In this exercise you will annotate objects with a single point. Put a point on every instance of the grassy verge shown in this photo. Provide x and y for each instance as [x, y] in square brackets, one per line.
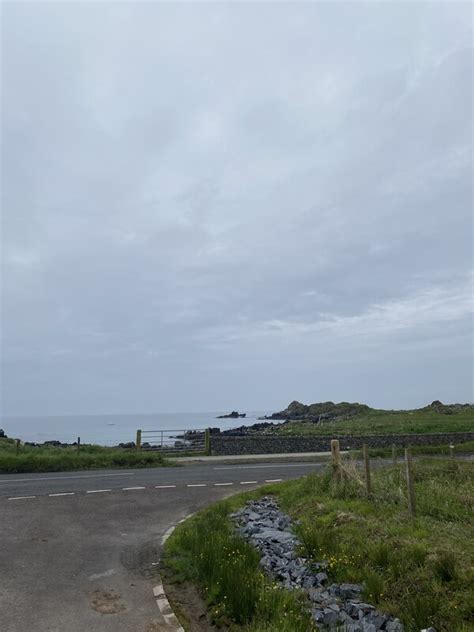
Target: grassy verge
[421, 450]
[205, 551]
[386, 422]
[61, 459]
[420, 570]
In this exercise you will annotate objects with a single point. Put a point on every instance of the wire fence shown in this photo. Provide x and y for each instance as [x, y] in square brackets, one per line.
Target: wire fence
[173, 440]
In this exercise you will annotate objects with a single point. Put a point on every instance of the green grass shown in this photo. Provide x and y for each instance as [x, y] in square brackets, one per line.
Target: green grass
[205, 551]
[421, 450]
[386, 422]
[61, 459]
[420, 569]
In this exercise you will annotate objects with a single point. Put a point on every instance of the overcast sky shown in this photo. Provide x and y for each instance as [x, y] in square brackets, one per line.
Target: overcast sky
[211, 206]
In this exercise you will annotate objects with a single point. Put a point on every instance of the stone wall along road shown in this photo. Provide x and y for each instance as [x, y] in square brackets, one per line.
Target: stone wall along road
[278, 444]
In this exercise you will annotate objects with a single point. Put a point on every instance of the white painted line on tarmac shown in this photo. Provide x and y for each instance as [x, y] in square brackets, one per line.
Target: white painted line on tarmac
[248, 482]
[273, 480]
[63, 494]
[251, 467]
[196, 485]
[222, 484]
[127, 489]
[98, 491]
[21, 497]
[57, 478]
[164, 486]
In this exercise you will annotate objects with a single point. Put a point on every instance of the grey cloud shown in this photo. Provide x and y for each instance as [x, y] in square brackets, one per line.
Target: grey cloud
[218, 202]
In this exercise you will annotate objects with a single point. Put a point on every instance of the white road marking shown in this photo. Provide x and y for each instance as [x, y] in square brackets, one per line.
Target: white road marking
[273, 480]
[108, 573]
[57, 478]
[126, 489]
[197, 485]
[97, 491]
[252, 467]
[164, 486]
[220, 484]
[63, 494]
[247, 482]
[21, 497]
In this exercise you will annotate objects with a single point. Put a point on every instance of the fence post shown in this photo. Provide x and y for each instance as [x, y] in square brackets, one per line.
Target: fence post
[394, 454]
[368, 482]
[335, 452]
[451, 451]
[410, 482]
[78, 444]
[17, 446]
[139, 440]
[207, 441]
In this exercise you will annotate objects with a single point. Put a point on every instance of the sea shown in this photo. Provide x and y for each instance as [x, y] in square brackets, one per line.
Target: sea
[112, 429]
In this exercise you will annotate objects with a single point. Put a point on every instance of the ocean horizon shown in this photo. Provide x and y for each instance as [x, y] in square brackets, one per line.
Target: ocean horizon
[111, 429]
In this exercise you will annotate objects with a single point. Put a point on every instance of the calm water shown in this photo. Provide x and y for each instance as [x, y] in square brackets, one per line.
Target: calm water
[113, 429]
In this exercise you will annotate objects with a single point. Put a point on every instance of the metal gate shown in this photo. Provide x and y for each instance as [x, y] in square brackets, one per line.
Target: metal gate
[177, 441]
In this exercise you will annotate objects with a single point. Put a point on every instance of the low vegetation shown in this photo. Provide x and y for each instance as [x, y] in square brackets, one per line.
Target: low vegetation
[61, 459]
[424, 420]
[418, 569]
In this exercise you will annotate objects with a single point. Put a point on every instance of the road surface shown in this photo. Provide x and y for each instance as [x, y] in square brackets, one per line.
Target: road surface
[79, 550]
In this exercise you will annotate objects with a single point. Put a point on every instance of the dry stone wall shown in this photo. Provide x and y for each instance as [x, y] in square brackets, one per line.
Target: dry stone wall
[279, 444]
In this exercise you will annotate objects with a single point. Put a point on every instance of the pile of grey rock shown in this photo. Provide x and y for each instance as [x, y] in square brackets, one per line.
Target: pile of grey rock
[333, 607]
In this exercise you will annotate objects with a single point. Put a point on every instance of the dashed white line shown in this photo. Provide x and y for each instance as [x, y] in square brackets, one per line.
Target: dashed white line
[248, 482]
[221, 484]
[126, 489]
[21, 497]
[164, 486]
[56, 478]
[197, 485]
[255, 467]
[63, 494]
[273, 480]
[98, 491]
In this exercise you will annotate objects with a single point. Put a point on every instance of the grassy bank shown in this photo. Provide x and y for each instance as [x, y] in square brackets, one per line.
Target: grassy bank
[420, 570]
[61, 459]
[385, 422]
[442, 450]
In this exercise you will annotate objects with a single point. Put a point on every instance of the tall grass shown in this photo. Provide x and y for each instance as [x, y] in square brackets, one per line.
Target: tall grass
[206, 551]
[420, 570]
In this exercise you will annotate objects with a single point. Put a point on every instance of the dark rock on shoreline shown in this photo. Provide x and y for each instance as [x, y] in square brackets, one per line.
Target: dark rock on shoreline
[323, 411]
[233, 415]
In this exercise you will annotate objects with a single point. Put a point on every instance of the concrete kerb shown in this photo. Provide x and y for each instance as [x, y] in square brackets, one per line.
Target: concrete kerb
[171, 620]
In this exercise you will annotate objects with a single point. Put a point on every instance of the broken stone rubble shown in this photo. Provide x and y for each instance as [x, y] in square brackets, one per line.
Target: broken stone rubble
[333, 607]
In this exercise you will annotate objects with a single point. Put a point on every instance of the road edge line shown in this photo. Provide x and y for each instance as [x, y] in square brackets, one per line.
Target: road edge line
[164, 606]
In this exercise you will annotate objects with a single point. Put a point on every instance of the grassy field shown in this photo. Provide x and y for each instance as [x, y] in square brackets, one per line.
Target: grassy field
[61, 459]
[420, 570]
[386, 422]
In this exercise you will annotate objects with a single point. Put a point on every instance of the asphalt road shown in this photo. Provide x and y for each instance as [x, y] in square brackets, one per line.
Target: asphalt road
[78, 550]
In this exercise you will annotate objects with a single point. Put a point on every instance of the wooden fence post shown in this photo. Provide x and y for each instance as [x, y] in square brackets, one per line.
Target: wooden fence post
[368, 482]
[410, 483]
[451, 451]
[207, 441]
[139, 440]
[17, 446]
[78, 444]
